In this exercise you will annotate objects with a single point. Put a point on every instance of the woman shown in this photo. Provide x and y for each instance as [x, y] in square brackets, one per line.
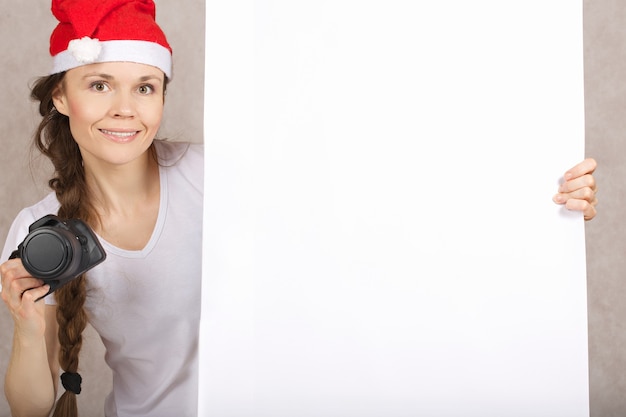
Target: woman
[101, 109]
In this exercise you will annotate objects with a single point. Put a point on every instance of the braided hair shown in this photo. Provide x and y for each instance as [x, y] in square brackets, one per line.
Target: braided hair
[54, 139]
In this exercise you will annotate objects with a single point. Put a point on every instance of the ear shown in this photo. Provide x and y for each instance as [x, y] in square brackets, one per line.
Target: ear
[59, 100]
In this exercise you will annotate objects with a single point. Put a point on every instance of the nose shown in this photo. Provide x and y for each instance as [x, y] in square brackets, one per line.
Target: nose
[122, 106]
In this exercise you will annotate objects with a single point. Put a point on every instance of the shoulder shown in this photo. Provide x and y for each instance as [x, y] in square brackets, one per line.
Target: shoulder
[183, 161]
[171, 153]
[26, 217]
[47, 205]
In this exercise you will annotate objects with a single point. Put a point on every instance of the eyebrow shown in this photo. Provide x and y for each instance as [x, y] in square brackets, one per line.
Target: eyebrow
[109, 77]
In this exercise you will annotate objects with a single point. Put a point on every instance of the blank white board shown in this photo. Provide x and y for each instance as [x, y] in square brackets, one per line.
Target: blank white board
[379, 235]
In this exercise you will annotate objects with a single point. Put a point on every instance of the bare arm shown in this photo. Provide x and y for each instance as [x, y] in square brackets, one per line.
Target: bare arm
[30, 381]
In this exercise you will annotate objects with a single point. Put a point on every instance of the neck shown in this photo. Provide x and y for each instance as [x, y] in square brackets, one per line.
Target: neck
[121, 188]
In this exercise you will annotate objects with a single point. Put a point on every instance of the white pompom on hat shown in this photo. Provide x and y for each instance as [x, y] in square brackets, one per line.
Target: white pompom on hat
[92, 31]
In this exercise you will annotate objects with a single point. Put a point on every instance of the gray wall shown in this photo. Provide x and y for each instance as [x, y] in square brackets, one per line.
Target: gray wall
[605, 102]
[24, 30]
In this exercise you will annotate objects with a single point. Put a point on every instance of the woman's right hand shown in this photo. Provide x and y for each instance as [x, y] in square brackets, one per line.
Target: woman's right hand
[19, 292]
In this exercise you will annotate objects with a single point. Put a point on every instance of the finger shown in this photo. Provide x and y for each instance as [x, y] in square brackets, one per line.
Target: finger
[35, 294]
[588, 166]
[585, 193]
[14, 292]
[578, 183]
[29, 315]
[588, 209]
[12, 269]
[23, 284]
[6, 271]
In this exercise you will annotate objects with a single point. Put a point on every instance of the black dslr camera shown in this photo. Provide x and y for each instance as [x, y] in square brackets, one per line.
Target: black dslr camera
[58, 251]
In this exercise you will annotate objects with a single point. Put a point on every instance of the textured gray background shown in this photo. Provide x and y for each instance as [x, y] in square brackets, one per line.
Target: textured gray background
[24, 30]
[605, 105]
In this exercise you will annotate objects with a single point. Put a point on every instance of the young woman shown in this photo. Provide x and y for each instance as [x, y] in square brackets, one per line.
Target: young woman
[101, 109]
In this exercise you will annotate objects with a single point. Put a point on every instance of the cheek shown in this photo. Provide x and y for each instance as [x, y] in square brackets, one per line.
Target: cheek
[80, 113]
[152, 117]
[82, 118]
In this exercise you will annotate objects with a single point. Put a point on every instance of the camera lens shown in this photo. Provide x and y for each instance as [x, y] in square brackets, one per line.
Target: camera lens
[45, 254]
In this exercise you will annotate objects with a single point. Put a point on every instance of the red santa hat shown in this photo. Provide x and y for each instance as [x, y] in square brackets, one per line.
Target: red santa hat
[91, 31]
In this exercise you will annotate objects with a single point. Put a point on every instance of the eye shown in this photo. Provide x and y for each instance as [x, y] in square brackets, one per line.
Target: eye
[99, 86]
[145, 89]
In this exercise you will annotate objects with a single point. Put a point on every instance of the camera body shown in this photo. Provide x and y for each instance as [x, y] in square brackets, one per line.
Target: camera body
[57, 251]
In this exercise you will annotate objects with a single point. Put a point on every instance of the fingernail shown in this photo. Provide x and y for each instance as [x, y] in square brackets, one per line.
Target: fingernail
[568, 176]
[558, 198]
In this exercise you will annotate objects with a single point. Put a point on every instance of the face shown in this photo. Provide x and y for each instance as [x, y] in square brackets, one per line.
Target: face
[114, 110]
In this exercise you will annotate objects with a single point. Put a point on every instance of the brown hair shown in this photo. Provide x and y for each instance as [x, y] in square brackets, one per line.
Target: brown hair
[54, 139]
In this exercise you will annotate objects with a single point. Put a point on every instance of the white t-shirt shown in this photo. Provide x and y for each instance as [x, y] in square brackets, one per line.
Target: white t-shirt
[146, 304]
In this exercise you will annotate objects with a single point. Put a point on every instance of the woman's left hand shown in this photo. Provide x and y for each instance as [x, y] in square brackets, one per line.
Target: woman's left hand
[578, 192]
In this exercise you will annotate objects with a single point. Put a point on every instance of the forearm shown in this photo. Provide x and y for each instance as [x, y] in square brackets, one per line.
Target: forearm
[29, 386]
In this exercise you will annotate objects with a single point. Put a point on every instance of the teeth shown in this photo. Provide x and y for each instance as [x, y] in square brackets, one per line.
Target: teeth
[118, 134]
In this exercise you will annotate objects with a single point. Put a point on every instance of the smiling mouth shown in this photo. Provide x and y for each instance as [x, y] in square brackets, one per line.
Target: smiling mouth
[121, 135]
